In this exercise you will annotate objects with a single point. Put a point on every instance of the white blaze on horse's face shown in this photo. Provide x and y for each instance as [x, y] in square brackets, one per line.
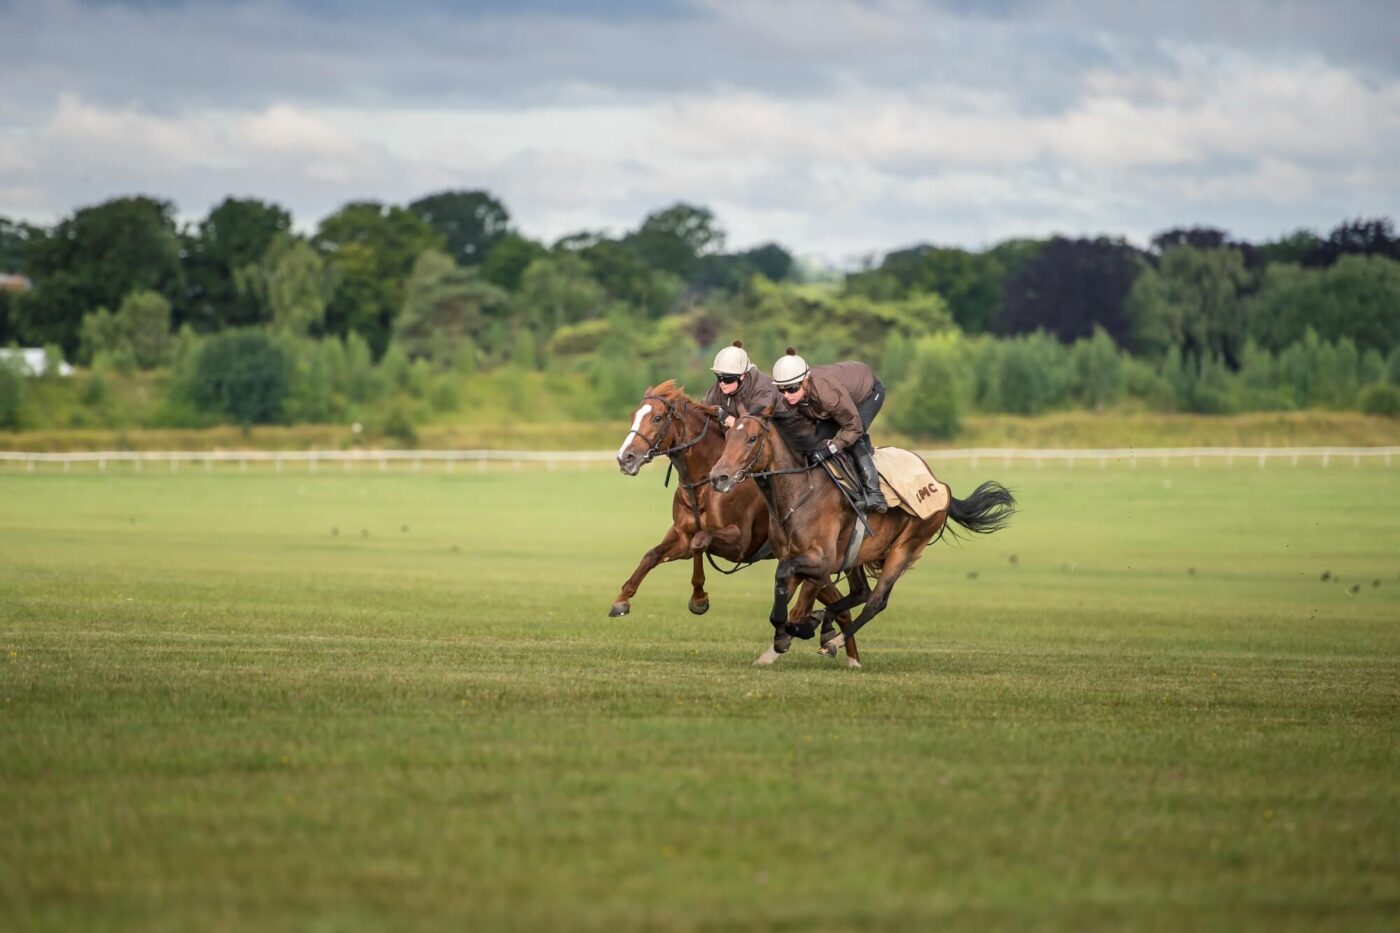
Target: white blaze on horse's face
[630, 463]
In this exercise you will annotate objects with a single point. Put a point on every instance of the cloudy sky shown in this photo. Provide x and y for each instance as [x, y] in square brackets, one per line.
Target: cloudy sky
[836, 127]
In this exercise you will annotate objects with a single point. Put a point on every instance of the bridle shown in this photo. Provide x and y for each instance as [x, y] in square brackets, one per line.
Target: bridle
[747, 469]
[654, 444]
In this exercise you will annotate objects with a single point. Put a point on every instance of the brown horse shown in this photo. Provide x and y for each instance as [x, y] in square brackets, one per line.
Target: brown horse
[812, 527]
[733, 527]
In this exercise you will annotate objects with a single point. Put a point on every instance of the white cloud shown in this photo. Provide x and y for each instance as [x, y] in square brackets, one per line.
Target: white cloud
[836, 127]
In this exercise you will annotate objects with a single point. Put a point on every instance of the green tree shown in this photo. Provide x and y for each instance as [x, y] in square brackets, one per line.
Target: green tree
[294, 283]
[94, 259]
[970, 282]
[237, 234]
[140, 330]
[470, 223]
[929, 402]
[1097, 371]
[14, 240]
[1193, 300]
[445, 308]
[373, 249]
[674, 239]
[624, 276]
[12, 395]
[241, 376]
[1357, 297]
[506, 264]
[558, 290]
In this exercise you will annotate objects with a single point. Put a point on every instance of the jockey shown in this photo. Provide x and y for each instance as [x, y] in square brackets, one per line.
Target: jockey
[839, 402]
[739, 383]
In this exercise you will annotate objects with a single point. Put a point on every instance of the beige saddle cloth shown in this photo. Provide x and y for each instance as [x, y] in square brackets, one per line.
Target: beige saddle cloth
[905, 481]
[905, 478]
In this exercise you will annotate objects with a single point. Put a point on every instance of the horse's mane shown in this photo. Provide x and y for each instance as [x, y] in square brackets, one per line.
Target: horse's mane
[671, 391]
[675, 394]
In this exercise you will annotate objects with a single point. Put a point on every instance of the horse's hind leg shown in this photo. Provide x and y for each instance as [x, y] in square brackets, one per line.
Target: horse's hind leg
[699, 599]
[895, 563]
[672, 546]
[830, 620]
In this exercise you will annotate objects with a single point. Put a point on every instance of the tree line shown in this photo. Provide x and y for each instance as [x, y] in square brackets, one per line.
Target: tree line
[393, 311]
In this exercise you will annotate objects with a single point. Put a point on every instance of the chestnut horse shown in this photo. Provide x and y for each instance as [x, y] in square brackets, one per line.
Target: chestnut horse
[812, 525]
[733, 527]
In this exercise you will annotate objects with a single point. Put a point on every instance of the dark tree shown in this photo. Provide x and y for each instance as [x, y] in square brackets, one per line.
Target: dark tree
[471, 223]
[1207, 238]
[674, 239]
[732, 271]
[1069, 286]
[241, 376]
[372, 249]
[94, 259]
[509, 259]
[235, 235]
[1360, 237]
[970, 282]
[13, 240]
[1195, 237]
[1291, 248]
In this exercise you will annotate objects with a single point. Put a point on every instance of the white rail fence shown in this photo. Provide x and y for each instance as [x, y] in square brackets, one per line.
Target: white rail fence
[481, 460]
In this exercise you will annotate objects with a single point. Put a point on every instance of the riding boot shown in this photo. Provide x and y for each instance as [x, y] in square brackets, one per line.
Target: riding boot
[865, 459]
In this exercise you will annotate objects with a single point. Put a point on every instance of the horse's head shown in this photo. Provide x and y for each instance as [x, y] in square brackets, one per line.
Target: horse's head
[655, 425]
[748, 449]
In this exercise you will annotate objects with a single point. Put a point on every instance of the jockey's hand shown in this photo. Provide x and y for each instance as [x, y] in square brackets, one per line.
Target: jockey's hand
[822, 453]
[729, 421]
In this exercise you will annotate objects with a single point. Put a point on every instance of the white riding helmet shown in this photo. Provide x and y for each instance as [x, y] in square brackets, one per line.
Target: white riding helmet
[732, 360]
[790, 369]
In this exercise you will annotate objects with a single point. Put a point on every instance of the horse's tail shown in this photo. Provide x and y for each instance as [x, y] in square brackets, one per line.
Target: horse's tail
[988, 509]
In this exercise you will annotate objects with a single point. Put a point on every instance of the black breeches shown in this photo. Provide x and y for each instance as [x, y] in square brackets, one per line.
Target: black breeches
[867, 410]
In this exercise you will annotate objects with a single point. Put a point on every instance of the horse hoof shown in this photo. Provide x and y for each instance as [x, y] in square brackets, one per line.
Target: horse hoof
[837, 642]
[620, 608]
[853, 664]
[766, 658]
[700, 608]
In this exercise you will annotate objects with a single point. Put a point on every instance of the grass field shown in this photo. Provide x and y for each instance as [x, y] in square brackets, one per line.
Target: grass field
[331, 701]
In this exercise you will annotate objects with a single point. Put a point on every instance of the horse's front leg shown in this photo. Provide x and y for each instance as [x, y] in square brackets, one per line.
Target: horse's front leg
[699, 599]
[673, 546]
[783, 580]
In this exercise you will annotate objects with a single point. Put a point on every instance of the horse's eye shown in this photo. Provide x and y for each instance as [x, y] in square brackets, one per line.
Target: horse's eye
[751, 438]
[655, 419]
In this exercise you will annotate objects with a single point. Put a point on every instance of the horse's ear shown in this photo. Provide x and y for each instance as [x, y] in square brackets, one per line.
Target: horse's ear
[712, 410]
[767, 412]
[740, 407]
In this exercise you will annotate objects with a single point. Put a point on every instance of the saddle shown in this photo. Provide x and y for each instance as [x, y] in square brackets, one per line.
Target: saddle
[906, 481]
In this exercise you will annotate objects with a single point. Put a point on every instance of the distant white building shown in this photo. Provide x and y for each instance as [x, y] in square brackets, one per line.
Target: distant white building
[33, 360]
[14, 283]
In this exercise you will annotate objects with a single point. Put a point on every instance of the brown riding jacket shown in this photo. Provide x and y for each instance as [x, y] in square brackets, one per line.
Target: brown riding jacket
[756, 392]
[833, 392]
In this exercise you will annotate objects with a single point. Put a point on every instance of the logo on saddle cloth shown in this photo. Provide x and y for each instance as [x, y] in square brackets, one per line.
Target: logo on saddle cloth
[923, 492]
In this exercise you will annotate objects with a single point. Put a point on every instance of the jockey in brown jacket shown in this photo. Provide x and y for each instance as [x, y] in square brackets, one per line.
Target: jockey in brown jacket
[839, 402]
[739, 383]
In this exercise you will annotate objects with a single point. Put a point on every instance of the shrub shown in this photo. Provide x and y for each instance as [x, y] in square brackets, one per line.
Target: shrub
[1380, 399]
[930, 400]
[240, 375]
[12, 394]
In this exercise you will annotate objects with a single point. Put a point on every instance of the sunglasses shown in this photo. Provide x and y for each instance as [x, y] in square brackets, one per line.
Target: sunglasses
[790, 390]
[725, 379]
